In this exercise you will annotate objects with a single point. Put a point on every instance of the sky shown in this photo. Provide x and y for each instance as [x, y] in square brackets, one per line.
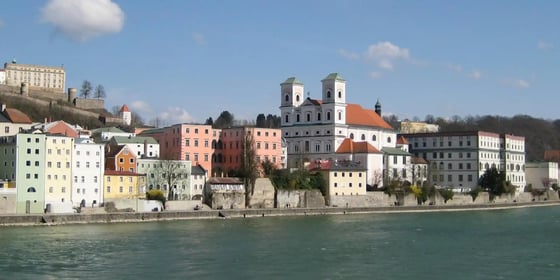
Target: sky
[184, 61]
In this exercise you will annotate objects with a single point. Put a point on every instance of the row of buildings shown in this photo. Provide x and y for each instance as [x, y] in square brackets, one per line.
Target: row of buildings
[354, 146]
[35, 76]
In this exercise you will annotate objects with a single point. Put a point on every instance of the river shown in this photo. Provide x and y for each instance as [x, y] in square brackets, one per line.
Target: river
[495, 244]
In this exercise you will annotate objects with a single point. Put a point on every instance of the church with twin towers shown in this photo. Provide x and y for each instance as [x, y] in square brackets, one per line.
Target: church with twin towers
[332, 129]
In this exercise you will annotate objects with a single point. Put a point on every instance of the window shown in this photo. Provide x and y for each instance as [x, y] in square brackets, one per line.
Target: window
[187, 142]
[63, 189]
[130, 189]
[28, 163]
[108, 189]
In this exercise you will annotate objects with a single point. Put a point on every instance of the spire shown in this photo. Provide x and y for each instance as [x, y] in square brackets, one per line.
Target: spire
[378, 107]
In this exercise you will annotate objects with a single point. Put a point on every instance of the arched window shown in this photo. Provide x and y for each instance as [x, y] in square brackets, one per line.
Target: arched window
[287, 98]
[31, 189]
[319, 116]
[363, 137]
[373, 138]
[340, 94]
[388, 139]
[352, 136]
[339, 116]
[486, 166]
[287, 118]
[308, 116]
[328, 116]
[297, 118]
[328, 94]
[297, 98]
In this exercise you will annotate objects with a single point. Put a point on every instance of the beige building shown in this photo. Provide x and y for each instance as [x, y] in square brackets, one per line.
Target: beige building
[343, 178]
[36, 76]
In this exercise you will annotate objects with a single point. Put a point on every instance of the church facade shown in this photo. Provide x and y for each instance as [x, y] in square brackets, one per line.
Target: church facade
[315, 129]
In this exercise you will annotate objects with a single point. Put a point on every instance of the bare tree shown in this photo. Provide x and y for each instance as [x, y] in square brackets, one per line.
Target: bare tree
[249, 165]
[169, 175]
[99, 92]
[86, 89]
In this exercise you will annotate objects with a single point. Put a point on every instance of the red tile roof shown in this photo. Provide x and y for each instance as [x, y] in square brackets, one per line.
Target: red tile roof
[16, 116]
[356, 115]
[418, 160]
[124, 108]
[402, 141]
[350, 147]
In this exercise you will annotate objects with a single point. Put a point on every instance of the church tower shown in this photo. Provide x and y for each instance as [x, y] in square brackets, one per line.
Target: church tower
[334, 98]
[292, 96]
[125, 115]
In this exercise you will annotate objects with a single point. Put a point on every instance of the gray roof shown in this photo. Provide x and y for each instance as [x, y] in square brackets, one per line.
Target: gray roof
[134, 140]
[198, 170]
[292, 80]
[334, 76]
[395, 151]
[107, 129]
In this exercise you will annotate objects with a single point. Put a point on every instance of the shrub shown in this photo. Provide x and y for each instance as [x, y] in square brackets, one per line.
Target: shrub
[155, 194]
[447, 194]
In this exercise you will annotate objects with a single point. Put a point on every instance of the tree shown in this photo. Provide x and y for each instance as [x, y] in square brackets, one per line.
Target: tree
[249, 165]
[209, 121]
[99, 92]
[115, 110]
[86, 89]
[261, 120]
[156, 195]
[225, 120]
[268, 167]
[494, 182]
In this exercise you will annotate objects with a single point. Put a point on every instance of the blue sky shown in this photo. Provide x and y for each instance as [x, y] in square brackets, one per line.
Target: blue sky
[185, 61]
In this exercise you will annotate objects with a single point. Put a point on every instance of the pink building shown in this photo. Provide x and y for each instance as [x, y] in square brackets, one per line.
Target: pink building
[194, 142]
[268, 146]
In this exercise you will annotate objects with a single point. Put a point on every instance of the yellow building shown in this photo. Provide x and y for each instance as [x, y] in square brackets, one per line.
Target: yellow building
[35, 76]
[58, 172]
[123, 185]
[343, 178]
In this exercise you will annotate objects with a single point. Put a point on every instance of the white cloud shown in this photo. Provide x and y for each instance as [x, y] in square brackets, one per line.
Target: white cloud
[455, 67]
[175, 115]
[542, 45]
[385, 53]
[348, 54]
[375, 75]
[141, 107]
[518, 83]
[82, 20]
[199, 38]
[475, 74]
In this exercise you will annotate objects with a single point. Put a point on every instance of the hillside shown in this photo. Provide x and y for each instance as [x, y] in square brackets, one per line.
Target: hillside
[39, 113]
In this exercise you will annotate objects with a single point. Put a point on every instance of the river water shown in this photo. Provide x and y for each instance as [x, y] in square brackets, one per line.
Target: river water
[495, 244]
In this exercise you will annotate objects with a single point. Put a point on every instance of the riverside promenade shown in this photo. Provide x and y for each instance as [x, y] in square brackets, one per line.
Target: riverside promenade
[120, 217]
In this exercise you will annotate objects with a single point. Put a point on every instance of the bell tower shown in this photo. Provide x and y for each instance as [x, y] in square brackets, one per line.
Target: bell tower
[291, 97]
[334, 98]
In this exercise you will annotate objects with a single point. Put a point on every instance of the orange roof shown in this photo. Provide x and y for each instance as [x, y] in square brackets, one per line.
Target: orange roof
[17, 116]
[402, 141]
[356, 115]
[350, 147]
[552, 155]
[124, 108]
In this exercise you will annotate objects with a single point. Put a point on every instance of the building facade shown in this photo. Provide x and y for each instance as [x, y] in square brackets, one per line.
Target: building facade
[542, 175]
[230, 147]
[315, 129]
[123, 185]
[13, 121]
[458, 159]
[35, 76]
[58, 171]
[173, 177]
[88, 165]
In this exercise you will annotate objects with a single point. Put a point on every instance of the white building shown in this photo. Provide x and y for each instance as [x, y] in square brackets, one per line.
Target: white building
[315, 129]
[458, 159]
[105, 134]
[141, 146]
[36, 76]
[198, 180]
[88, 165]
[13, 121]
[125, 115]
[541, 175]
